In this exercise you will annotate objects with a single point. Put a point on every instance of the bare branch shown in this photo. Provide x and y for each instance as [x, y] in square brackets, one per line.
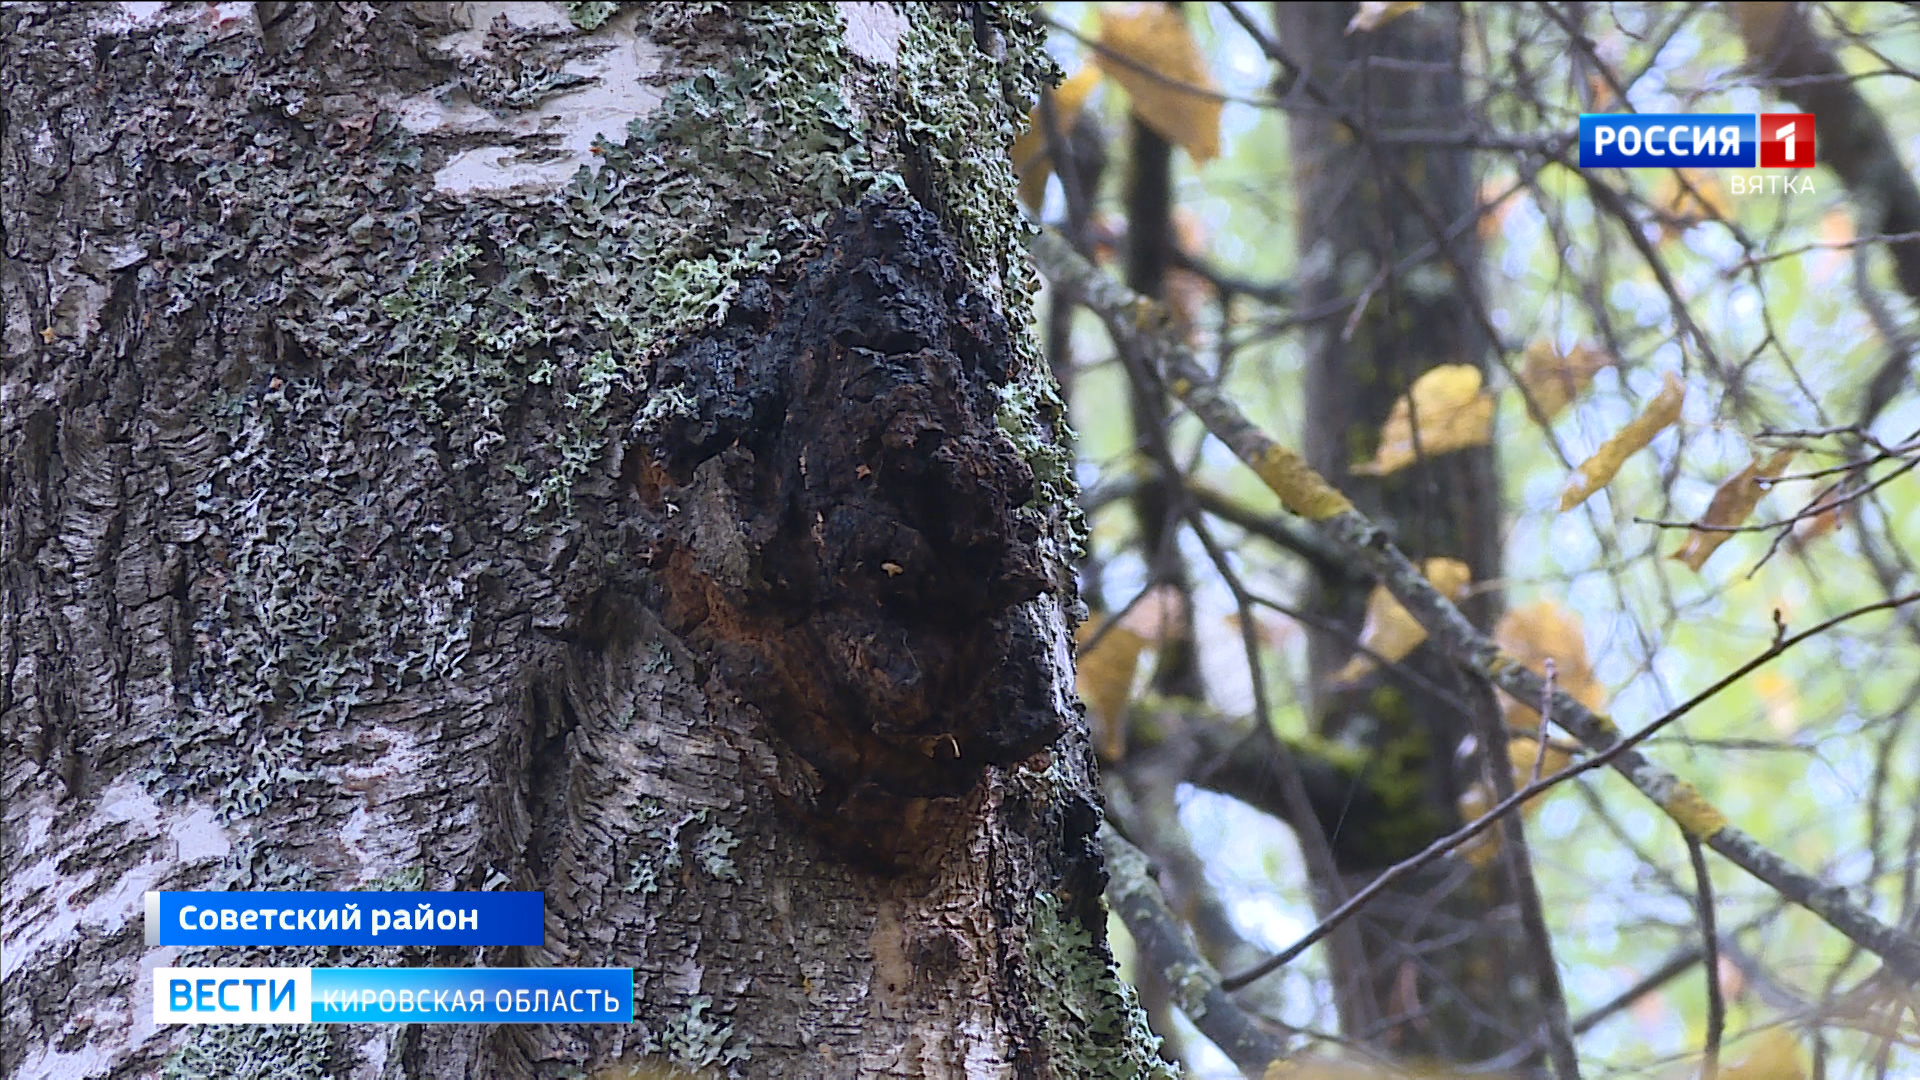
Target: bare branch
[1164, 944]
[1710, 955]
[1135, 321]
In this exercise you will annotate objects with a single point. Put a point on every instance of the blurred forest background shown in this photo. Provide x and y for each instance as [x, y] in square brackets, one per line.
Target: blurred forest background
[1370, 221]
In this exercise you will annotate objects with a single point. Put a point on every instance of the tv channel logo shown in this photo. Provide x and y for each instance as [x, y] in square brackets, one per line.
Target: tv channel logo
[1696, 141]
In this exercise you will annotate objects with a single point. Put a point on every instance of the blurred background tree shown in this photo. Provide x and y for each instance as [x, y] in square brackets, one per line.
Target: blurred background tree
[1367, 221]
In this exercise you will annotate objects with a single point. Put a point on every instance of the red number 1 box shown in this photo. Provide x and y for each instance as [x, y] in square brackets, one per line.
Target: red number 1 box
[1786, 140]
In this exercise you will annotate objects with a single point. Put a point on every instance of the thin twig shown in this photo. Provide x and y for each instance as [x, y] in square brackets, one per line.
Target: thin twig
[1135, 321]
[1546, 719]
[1814, 508]
[1402, 869]
[1518, 862]
[1710, 959]
[1148, 71]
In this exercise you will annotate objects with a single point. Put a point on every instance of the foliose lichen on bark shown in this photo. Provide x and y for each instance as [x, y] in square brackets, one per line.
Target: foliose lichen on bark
[1095, 1021]
[777, 126]
[248, 1050]
[518, 341]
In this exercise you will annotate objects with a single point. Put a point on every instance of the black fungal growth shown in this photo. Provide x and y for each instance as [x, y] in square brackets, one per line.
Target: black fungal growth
[840, 518]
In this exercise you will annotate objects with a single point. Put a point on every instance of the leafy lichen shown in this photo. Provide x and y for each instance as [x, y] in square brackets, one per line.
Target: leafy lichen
[317, 600]
[285, 221]
[714, 849]
[252, 1052]
[961, 103]
[511, 74]
[735, 174]
[1094, 1019]
[697, 1039]
[590, 14]
[664, 849]
[740, 163]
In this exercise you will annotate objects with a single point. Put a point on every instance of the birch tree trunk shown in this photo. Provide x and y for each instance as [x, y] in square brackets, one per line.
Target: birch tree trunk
[590, 448]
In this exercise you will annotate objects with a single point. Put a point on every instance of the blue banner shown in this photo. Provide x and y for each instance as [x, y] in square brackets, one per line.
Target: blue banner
[1671, 140]
[473, 995]
[345, 918]
[393, 995]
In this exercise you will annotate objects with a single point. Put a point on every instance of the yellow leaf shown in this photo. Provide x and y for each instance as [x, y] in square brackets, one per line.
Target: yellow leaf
[1287, 474]
[1390, 630]
[1031, 162]
[1831, 508]
[1731, 505]
[1372, 15]
[1696, 816]
[1474, 802]
[1781, 700]
[1497, 201]
[1534, 634]
[1773, 1054]
[1150, 50]
[1106, 669]
[1452, 413]
[1185, 293]
[1478, 798]
[1552, 381]
[1521, 752]
[1272, 633]
[1595, 472]
[1836, 233]
[1599, 94]
[1731, 979]
[1105, 680]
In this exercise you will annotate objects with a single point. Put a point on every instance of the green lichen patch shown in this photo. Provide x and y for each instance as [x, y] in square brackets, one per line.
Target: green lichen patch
[736, 174]
[335, 571]
[1097, 1028]
[1033, 415]
[714, 849]
[667, 841]
[252, 1052]
[648, 870]
[697, 1039]
[308, 586]
[590, 14]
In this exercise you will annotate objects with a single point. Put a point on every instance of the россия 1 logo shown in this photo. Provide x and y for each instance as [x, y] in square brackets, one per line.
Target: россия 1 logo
[1696, 141]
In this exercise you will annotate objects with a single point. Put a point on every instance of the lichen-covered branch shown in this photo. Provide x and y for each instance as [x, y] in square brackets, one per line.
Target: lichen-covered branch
[1164, 944]
[1141, 802]
[1294, 536]
[1137, 321]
